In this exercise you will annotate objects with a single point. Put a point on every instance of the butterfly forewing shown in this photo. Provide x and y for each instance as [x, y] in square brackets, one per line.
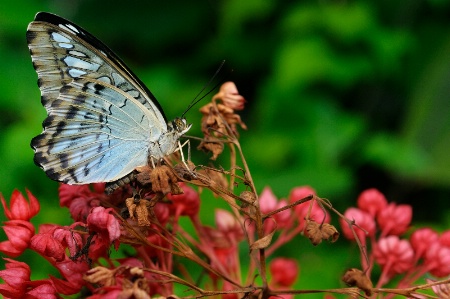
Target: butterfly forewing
[61, 51]
[101, 118]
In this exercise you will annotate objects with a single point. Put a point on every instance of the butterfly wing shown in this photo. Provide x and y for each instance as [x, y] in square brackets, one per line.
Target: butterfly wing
[101, 118]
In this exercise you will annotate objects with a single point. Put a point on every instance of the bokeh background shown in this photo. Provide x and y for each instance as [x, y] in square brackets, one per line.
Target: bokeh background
[341, 95]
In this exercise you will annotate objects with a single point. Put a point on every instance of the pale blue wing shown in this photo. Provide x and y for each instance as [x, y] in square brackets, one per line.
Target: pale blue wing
[94, 132]
[101, 117]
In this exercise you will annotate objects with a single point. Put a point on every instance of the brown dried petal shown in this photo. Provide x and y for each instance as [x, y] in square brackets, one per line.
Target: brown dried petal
[161, 179]
[142, 212]
[214, 147]
[317, 232]
[101, 275]
[355, 277]
[143, 176]
[131, 206]
[182, 172]
[248, 197]
[264, 242]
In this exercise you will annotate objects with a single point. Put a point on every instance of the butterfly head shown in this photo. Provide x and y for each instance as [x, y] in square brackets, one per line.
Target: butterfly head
[179, 125]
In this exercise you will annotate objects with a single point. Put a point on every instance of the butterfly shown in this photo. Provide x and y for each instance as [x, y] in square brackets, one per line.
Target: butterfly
[102, 121]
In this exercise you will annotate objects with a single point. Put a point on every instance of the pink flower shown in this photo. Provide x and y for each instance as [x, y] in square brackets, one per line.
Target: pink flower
[445, 239]
[187, 204]
[298, 193]
[267, 200]
[421, 240]
[20, 209]
[371, 201]
[19, 233]
[229, 226]
[394, 219]
[441, 290]
[317, 214]
[363, 220]
[437, 260]
[268, 203]
[284, 271]
[227, 286]
[282, 218]
[231, 97]
[395, 256]
[101, 220]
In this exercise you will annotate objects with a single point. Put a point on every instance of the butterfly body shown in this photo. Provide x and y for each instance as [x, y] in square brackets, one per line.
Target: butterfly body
[102, 121]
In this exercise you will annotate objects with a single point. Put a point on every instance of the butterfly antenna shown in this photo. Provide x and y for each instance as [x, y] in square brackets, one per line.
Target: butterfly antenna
[196, 99]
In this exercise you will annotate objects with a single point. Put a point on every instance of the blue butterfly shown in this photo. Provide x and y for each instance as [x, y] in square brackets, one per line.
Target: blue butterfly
[102, 121]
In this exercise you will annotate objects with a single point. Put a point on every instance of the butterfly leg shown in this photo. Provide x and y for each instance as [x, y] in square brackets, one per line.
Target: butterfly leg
[153, 162]
[180, 148]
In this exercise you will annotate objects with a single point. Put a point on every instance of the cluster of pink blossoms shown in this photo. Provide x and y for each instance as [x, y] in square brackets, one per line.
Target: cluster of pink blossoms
[75, 250]
[384, 226]
[80, 252]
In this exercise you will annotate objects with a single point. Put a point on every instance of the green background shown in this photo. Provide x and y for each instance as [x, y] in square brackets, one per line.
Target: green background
[341, 95]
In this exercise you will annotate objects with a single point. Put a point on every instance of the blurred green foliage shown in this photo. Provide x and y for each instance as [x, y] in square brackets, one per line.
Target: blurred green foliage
[342, 95]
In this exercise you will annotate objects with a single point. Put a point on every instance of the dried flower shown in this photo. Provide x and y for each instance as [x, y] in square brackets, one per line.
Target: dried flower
[317, 232]
[355, 277]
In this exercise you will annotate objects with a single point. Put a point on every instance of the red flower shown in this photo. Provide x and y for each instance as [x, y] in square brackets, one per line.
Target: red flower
[284, 271]
[69, 239]
[371, 201]
[16, 275]
[421, 240]
[100, 220]
[73, 272]
[20, 208]
[187, 204]
[80, 200]
[42, 289]
[395, 256]
[394, 219]
[19, 233]
[437, 259]
[46, 245]
[363, 220]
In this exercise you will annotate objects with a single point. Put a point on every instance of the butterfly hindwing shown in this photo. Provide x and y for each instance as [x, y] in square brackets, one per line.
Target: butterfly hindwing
[94, 132]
